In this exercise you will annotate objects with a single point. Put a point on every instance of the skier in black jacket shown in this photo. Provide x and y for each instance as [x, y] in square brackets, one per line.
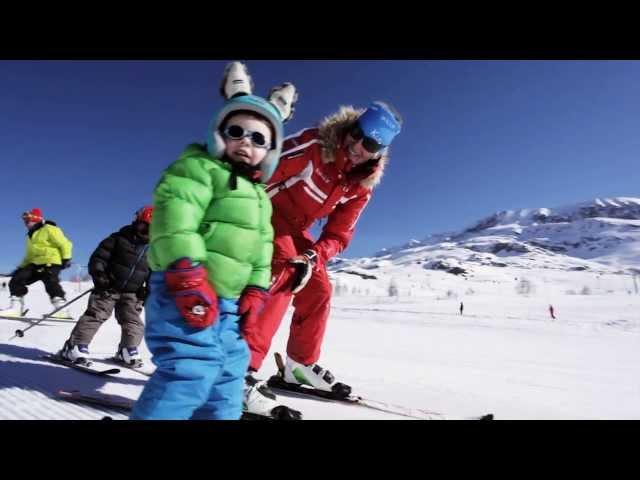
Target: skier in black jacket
[120, 272]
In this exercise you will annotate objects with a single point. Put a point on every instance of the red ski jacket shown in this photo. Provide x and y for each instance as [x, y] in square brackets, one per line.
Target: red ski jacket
[315, 179]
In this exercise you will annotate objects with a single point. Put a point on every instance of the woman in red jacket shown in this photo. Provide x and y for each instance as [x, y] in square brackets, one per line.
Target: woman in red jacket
[328, 171]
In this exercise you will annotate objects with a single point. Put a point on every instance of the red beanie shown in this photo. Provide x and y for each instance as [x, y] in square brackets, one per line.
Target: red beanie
[33, 215]
[144, 214]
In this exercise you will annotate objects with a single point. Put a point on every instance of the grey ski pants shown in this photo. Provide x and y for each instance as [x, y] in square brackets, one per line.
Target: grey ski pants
[101, 305]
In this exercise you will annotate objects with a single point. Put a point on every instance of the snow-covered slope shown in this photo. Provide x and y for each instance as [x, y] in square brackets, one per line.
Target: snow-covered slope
[504, 355]
[28, 383]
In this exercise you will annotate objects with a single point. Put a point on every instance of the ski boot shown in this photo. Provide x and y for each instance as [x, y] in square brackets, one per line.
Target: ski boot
[63, 314]
[129, 356]
[259, 399]
[75, 353]
[16, 307]
[315, 377]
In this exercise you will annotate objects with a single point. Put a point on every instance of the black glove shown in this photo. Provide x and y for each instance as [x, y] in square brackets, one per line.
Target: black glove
[304, 267]
[101, 281]
[142, 293]
[66, 263]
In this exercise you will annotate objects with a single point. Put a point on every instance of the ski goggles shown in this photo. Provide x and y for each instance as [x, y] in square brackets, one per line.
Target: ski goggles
[29, 217]
[236, 132]
[368, 143]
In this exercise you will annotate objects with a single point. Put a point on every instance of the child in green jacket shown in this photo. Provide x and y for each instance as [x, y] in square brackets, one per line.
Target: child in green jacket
[210, 255]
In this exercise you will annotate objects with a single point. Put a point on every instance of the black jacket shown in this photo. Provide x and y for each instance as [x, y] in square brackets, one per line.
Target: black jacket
[122, 256]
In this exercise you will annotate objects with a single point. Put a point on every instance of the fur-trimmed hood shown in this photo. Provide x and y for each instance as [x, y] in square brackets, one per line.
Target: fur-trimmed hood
[333, 128]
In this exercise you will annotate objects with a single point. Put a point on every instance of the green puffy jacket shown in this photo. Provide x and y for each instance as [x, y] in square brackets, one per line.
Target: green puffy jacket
[47, 245]
[197, 214]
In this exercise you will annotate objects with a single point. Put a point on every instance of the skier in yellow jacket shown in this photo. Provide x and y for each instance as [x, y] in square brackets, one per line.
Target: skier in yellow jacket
[48, 252]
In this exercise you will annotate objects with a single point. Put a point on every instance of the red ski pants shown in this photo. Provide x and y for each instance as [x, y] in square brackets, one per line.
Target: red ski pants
[311, 308]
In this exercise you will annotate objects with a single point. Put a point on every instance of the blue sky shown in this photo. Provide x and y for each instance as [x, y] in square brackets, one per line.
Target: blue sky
[86, 141]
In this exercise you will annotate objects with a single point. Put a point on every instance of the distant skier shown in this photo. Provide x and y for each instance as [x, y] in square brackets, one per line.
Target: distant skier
[48, 252]
[120, 273]
[551, 312]
[461, 308]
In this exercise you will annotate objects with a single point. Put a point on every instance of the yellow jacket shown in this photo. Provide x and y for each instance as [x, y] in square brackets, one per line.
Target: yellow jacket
[47, 245]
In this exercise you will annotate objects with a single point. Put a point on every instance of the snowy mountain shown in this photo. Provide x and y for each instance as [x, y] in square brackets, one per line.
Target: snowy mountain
[602, 236]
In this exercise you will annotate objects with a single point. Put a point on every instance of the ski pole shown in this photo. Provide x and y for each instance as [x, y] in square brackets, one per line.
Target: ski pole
[20, 333]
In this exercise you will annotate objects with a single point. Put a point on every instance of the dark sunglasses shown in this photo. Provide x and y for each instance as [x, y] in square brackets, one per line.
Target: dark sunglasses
[236, 132]
[368, 143]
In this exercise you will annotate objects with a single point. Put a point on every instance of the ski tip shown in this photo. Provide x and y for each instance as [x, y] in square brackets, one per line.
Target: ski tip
[488, 416]
[66, 393]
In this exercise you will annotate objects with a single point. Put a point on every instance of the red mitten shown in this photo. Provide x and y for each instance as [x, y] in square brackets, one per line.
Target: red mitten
[250, 305]
[195, 298]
